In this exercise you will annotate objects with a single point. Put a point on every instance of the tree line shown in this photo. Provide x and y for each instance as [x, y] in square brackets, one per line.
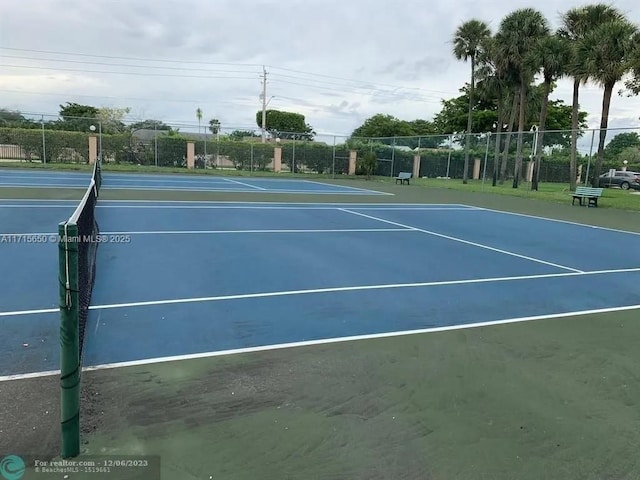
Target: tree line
[595, 43]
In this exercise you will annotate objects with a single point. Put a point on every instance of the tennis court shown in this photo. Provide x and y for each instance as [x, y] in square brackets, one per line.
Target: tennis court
[189, 183]
[333, 339]
[182, 279]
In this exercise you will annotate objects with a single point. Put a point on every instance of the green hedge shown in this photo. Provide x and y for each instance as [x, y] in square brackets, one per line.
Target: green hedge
[60, 146]
[304, 156]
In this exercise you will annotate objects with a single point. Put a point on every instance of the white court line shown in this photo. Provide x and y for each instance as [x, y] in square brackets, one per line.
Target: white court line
[29, 312]
[455, 239]
[245, 184]
[235, 202]
[248, 203]
[267, 207]
[70, 205]
[83, 187]
[340, 186]
[160, 180]
[230, 207]
[186, 189]
[559, 221]
[357, 288]
[303, 192]
[324, 341]
[74, 177]
[215, 232]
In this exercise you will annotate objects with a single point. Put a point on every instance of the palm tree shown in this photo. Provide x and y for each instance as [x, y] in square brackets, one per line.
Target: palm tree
[633, 83]
[606, 53]
[519, 33]
[496, 83]
[552, 53]
[576, 23]
[467, 41]
[199, 117]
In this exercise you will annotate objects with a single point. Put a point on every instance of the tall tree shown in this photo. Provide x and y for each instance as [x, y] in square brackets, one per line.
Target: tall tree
[576, 23]
[214, 126]
[467, 41]
[605, 52]
[199, 117]
[621, 142]
[519, 33]
[149, 124]
[286, 125]
[112, 119]
[552, 53]
[381, 126]
[239, 135]
[77, 117]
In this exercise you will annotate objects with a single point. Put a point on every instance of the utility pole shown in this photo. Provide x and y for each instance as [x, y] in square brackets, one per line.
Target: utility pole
[264, 104]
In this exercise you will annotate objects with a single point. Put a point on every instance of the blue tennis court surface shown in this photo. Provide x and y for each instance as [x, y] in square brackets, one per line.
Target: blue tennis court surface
[187, 278]
[192, 183]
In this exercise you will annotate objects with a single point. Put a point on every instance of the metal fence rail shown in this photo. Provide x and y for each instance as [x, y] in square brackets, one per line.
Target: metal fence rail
[491, 154]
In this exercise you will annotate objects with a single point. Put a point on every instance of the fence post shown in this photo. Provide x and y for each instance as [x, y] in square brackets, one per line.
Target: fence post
[486, 156]
[277, 159]
[353, 157]
[190, 154]
[44, 143]
[93, 149]
[333, 161]
[155, 137]
[449, 157]
[416, 165]
[393, 155]
[293, 156]
[586, 177]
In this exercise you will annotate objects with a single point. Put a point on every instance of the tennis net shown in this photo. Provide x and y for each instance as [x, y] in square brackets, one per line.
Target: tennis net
[77, 251]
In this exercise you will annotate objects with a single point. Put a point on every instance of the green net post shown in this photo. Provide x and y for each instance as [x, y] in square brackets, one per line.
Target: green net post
[69, 339]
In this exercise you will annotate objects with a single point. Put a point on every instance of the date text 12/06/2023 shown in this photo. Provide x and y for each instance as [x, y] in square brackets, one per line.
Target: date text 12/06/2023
[54, 238]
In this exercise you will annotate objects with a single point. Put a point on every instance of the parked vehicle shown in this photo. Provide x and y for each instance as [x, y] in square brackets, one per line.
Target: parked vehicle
[624, 180]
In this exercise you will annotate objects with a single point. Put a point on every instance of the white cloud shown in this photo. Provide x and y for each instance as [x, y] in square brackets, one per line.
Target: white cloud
[337, 62]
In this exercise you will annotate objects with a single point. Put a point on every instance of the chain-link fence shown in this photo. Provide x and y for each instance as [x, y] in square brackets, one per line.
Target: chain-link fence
[491, 156]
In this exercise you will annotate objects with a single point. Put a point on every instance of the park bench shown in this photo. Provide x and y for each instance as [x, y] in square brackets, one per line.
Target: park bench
[587, 193]
[403, 177]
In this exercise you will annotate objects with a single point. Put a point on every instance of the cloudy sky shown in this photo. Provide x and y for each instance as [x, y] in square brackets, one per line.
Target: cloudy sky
[336, 61]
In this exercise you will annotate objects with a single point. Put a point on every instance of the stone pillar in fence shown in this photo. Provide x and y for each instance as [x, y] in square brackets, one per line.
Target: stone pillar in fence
[530, 170]
[277, 159]
[191, 150]
[93, 149]
[353, 158]
[476, 168]
[416, 165]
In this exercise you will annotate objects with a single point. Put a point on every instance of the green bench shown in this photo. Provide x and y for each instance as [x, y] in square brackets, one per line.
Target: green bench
[589, 194]
[403, 177]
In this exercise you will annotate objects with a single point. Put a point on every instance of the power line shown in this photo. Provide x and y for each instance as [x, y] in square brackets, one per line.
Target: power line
[124, 65]
[138, 59]
[163, 99]
[353, 87]
[354, 80]
[127, 73]
[380, 93]
[351, 80]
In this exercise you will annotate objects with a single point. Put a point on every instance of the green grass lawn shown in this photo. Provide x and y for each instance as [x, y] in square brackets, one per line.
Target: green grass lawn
[553, 192]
